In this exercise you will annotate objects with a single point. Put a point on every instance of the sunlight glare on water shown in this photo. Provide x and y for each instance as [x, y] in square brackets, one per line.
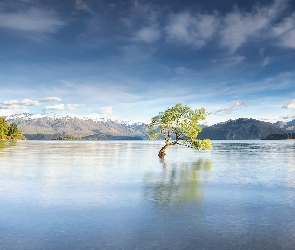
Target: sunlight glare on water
[121, 195]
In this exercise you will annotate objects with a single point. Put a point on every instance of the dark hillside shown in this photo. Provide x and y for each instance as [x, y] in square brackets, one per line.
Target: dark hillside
[240, 129]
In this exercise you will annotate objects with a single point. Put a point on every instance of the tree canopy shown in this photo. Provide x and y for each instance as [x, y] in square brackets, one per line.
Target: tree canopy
[179, 125]
[10, 132]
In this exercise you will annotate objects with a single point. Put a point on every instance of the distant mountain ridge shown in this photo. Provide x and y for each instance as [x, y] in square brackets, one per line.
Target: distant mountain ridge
[96, 128]
[288, 126]
[240, 129]
[88, 128]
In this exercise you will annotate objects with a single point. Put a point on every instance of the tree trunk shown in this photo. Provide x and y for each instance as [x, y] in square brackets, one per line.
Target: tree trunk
[162, 150]
[167, 144]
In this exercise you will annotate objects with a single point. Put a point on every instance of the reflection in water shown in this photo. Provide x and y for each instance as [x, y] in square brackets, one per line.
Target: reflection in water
[178, 183]
[5, 144]
[2, 144]
[79, 195]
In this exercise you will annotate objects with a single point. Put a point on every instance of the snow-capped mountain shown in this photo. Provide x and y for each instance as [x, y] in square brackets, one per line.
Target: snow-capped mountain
[95, 127]
[83, 127]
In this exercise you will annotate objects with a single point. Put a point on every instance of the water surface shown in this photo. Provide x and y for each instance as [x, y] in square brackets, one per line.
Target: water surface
[120, 195]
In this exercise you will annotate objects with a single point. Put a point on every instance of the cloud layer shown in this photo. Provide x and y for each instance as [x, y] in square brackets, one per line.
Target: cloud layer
[24, 103]
[229, 110]
[31, 20]
[194, 30]
[290, 105]
[144, 56]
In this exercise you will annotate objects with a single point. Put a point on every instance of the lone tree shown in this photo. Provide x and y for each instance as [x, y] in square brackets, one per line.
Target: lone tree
[180, 126]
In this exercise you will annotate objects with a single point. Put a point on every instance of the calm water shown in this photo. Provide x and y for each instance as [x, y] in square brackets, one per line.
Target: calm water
[120, 195]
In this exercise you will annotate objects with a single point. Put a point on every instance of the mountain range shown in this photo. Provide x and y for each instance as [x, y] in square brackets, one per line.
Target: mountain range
[36, 127]
[287, 126]
[85, 128]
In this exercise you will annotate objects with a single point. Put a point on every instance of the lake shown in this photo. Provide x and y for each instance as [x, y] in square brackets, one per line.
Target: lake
[121, 195]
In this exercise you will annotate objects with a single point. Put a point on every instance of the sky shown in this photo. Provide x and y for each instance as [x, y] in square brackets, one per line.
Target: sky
[130, 59]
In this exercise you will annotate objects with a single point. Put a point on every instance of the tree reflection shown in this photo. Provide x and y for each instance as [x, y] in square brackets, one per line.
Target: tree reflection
[177, 183]
[3, 144]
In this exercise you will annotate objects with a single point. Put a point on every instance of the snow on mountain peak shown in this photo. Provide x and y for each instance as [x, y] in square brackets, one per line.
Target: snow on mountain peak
[89, 117]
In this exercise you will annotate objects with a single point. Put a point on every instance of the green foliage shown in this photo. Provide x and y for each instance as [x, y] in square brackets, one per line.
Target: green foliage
[4, 127]
[180, 123]
[14, 133]
[9, 132]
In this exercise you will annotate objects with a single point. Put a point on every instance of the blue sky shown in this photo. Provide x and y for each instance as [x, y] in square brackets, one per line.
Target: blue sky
[128, 60]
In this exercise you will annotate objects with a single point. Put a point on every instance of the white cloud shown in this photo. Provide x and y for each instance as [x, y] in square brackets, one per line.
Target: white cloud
[62, 107]
[106, 110]
[193, 30]
[31, 20]
[290, 105]
[148, 34]
[50, 99]
[9, 106]
[239, 27]
[80, 5]
[288, 40]
[287, 25]
[240, 103]
[227, 111]
[234, 29]
[16, 106]
[20, 103]
[285, 32]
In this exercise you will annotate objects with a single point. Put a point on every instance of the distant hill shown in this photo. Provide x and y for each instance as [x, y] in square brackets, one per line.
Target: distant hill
[95, 137]
[41, 136]
[91, 128]
[240, 129]
[85, 128]
[288, 126]
[286, 136]
[98, 137]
